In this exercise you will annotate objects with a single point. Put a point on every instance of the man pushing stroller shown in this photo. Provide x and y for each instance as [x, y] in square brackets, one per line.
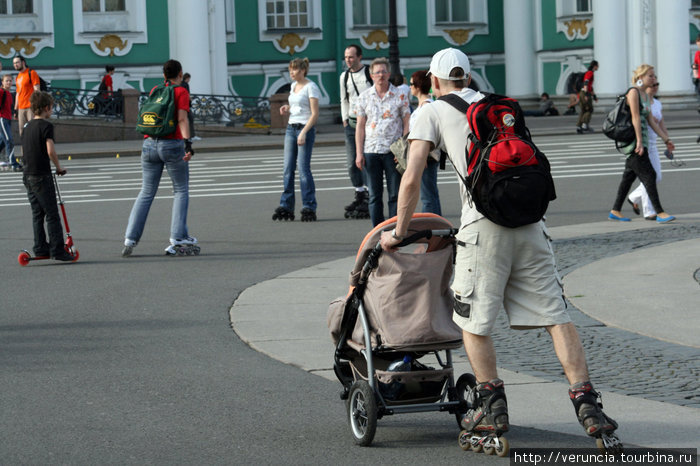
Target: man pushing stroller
[496, 267]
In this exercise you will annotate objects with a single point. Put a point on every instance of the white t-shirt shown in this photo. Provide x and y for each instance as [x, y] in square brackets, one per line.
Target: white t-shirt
[356, 80]
[299, 103]
[447, 129]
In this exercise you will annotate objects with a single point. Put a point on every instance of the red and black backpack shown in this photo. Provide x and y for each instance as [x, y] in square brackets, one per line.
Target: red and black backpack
[508, 178]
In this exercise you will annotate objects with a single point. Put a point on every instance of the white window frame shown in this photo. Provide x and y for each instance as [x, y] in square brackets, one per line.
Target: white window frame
[567, 15]
[375, 36]
[102, 8]
[313, 15]
[119, 30]
[460, 33]
[292, 40]
[28, 33]
[230, 8]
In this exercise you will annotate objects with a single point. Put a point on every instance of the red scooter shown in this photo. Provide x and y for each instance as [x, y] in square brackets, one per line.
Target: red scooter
[25, 257]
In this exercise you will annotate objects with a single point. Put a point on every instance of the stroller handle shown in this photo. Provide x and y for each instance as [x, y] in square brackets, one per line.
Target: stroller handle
[373, 256]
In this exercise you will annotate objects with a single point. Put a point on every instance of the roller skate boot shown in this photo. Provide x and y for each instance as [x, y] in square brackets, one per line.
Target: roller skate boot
[283, 214]
[589, 411]
[183, 247]
[128, 247]
[308, 215]
[359, 208]
[486, 420]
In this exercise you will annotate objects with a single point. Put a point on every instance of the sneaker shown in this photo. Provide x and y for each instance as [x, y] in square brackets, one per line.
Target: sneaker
[196, 138]
[64, 256]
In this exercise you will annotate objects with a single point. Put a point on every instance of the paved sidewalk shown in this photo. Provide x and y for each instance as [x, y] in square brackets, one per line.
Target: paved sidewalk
[605, 290]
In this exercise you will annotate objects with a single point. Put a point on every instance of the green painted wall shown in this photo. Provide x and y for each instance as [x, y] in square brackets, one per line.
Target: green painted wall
[550, 73]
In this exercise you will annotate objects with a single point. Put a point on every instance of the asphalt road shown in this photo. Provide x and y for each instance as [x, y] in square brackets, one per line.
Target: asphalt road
[132, 361]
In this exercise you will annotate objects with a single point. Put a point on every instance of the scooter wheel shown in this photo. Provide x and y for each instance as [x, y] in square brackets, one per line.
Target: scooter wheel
[24, 258]
[76, 255]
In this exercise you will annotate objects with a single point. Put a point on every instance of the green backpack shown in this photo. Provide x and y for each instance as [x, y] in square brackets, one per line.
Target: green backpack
[157, 114]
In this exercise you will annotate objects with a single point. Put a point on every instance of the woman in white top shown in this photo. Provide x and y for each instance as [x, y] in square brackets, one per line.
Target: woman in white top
[429, 194]
[298, 142]
[639, 196]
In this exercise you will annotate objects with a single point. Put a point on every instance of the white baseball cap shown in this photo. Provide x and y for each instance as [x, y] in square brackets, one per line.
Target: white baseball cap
[446, 60]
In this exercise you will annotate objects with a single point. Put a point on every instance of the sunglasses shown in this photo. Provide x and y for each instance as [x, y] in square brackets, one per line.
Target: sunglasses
[655, 85]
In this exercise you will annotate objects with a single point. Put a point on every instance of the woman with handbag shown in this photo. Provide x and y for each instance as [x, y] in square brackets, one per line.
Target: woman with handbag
[429, 194]
[637, 163]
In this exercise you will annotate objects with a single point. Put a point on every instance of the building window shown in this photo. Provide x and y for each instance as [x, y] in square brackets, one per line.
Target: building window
[230, 8]
[102, 6]
[109, 27]
[451, 11]
[26, 27]
[287, 14]
[290, 24]
[457, 21]
[574, 18]
[370, 13]
[16, 7]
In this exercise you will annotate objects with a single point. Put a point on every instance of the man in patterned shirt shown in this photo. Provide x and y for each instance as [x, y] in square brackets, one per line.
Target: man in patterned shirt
[382, 118]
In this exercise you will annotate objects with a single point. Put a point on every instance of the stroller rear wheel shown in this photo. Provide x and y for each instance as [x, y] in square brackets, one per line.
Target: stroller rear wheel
[362, 412]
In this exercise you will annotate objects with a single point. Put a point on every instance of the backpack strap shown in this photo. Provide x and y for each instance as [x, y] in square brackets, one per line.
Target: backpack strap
[345, 82]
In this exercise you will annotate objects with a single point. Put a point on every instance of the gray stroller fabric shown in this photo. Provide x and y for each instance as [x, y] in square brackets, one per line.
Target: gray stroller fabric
[407, 299]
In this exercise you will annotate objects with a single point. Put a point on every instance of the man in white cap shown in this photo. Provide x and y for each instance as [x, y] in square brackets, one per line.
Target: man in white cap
[496, 266]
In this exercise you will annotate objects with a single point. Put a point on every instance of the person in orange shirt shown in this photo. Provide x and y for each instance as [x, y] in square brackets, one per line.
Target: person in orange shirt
[26, 83]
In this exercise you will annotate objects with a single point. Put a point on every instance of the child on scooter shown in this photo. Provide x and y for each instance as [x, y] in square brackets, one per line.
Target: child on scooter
[38, 151]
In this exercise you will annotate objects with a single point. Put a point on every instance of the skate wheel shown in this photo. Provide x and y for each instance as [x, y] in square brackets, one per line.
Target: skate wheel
[477, 445]
[196, 250]
[347, 214]
[502, 447]
[24, 258]
[464, 440]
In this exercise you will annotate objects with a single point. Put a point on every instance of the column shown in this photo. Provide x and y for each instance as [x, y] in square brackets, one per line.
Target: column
[217, 48]
[610, 47]
[189, 43]
[519, 38]
[673, 47]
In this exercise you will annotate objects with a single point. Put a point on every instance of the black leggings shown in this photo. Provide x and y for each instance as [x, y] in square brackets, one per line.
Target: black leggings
[638, 166]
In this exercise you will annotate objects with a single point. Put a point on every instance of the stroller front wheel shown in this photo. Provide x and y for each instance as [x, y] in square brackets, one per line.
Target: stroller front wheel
[362, 412]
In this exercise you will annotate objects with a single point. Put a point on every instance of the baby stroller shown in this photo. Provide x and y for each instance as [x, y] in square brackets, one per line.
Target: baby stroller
[399, 309]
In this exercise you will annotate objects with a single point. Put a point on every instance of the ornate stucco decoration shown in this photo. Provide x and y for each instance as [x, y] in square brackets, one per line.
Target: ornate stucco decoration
[291, 43]
[16, 45]
[111, 43]
[575, 28]
[377, 39]
[459, 36]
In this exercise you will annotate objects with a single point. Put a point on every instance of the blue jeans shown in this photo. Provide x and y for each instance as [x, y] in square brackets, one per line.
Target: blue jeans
[357, 177]
[6, 141]
[156, 154]
[378, 165]
[295, 154]
[429, 193]
[42, 198]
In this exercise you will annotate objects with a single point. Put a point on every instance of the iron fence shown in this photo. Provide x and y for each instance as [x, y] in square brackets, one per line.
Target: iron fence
[252, 112]
[87, 102]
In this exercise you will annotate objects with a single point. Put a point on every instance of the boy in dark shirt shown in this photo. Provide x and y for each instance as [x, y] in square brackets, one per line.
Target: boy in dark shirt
[38, 149]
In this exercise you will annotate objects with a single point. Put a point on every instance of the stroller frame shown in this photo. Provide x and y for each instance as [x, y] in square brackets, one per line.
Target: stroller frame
[363, 394]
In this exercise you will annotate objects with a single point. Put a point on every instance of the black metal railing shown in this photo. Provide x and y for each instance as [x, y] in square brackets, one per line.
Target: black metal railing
[87, 102]
[253, 112]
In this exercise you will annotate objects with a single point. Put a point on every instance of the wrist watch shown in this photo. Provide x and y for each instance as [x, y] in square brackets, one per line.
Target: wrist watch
[395, 236]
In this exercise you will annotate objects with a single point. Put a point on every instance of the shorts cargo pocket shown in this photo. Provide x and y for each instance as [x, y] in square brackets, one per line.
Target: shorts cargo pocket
[465, 272]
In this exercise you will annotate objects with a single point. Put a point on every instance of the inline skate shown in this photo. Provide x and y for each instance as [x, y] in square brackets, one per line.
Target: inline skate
[486, 420]
[129, 246]
[308, 215]
[589, 411]
[183, 247]
[283, 214]
[358, 208]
